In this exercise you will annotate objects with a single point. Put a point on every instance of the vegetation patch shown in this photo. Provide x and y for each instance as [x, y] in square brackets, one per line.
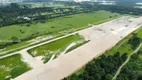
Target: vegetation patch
[12, 67]
[53, 49]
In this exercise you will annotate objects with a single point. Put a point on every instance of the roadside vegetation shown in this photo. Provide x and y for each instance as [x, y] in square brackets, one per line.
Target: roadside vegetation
[12, 67]
[52, 50]
[106, 66]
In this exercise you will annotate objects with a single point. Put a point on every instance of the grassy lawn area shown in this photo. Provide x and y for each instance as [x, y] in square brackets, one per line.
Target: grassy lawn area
[12, 67]
[140, 56]
[56, 47]
[139, 32]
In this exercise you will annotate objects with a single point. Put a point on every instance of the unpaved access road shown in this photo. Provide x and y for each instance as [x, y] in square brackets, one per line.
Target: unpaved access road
[102, 37]
[127, 60]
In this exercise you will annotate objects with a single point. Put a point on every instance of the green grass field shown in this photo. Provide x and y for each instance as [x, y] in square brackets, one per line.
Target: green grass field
[56, 47]
[12, 67]
[55, 27]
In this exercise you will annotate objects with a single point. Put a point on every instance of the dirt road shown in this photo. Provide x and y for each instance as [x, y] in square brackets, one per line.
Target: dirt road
[127, 60]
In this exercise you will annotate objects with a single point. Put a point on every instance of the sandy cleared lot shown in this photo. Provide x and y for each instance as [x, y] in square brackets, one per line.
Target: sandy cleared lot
[102, 37]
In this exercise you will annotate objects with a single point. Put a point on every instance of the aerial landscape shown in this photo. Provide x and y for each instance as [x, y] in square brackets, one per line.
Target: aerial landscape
[70, 39]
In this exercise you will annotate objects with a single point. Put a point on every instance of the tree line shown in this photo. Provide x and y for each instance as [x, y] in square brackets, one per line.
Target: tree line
[102, 68]
[17, 14]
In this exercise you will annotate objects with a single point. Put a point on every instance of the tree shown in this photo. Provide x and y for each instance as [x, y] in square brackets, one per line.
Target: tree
[15, 40]
[124, 57]
[134, 41]
[139, 78]
[14, 5]
[108, 77]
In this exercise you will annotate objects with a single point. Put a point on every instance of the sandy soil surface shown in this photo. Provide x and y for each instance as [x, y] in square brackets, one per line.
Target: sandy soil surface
[102, 37]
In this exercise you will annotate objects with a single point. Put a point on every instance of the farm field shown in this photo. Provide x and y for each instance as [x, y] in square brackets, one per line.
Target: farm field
[54, 27]
[114, 58]
[12, 67]
[54, 49]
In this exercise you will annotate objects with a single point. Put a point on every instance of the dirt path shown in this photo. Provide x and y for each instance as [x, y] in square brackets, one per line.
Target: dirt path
[33, 62]
[68, 47]
[8, 55]
[62, 53]
[129, 57]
